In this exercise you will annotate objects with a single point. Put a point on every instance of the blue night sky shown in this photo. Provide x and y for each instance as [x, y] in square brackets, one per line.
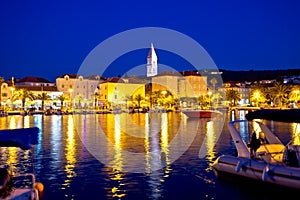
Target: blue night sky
[51, 38]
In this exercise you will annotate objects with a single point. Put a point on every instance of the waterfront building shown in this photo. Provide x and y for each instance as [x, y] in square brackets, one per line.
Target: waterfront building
[184, 88]
[193, 85]
[242, 89]
[167, 81]
[74, 85]
[37, 86]
[120, 92]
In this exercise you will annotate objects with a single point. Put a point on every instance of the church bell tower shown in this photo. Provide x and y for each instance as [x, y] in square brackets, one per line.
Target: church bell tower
[151, 62]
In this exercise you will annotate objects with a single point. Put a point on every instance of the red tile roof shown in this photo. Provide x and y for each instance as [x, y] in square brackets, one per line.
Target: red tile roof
[32, 79]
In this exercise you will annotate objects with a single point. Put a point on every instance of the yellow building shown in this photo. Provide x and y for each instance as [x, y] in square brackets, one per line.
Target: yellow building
[120, 92]
[193, 86]
[180, 86]
[167, 81]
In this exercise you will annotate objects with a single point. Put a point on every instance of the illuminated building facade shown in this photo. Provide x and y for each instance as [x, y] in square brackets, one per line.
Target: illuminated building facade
[120, 92]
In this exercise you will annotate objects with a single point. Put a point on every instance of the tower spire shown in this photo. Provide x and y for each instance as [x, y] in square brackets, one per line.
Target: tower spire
[151, 62]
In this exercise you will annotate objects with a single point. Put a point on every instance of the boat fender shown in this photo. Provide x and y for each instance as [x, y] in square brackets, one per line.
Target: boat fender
[265, 173]
[40, 188]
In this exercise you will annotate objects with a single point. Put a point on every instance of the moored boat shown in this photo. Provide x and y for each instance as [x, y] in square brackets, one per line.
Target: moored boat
[271, 161]
[201, 113]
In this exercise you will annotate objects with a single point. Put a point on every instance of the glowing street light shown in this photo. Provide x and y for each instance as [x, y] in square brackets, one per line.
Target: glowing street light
[256, 96]
[164, 92]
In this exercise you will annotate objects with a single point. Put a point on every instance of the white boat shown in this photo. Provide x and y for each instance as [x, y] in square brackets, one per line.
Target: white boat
[199, 113]
[273, 162]
[16, 186]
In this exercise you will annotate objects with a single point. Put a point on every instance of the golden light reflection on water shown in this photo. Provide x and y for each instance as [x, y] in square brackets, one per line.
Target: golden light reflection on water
[70, 151]
[12, 123]
[164, 138]
[12, 152]
[12, 157]
[146, 144]
[26, 122]
[155, 143]
[118, 160]
[210, 140]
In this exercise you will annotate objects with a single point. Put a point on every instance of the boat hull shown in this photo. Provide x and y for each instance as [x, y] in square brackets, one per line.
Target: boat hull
[259, 170]
[201, 113]
[20, 137]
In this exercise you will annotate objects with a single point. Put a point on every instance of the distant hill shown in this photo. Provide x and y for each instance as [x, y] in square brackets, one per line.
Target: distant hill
[254, 75]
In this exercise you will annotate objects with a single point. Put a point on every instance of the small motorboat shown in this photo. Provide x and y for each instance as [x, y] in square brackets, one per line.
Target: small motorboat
[201, 113]
[267, 160]
[19, 186]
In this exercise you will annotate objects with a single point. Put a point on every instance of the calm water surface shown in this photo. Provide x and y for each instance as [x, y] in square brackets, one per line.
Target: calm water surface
[134, 156]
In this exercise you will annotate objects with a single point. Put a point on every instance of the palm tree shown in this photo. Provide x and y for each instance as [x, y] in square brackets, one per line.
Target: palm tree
[233, 95]
[280, 92]
[295, 94]
[43, 97]
[216, 97]
[23, 94]
[203, 100]
[139, 98]
[259, 94]
[155, 96]
[127, 98]
[62, 98]
[79, 98]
